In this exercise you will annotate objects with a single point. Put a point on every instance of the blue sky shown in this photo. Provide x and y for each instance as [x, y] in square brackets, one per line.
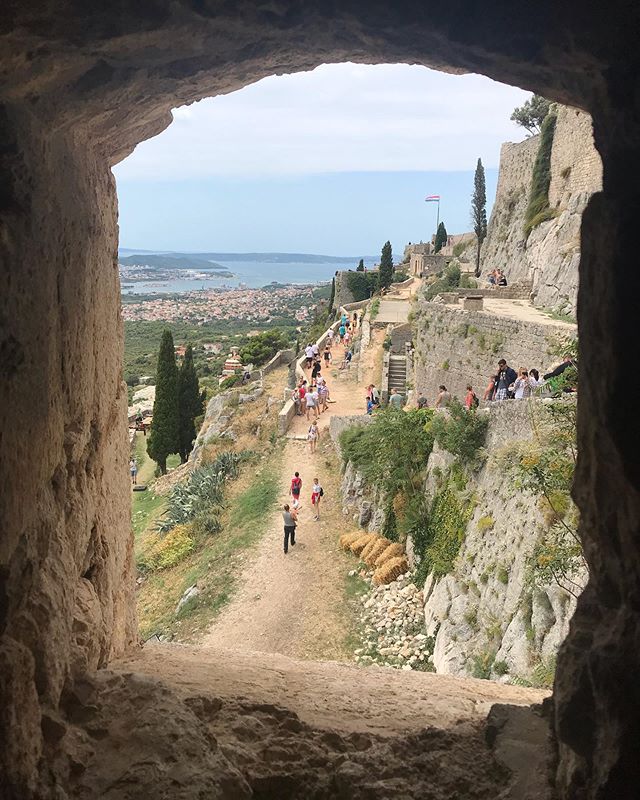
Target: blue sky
[332, 161]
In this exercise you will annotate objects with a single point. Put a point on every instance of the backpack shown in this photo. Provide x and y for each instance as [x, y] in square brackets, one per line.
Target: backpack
[474, 401]
[296, 483]
[321, 492]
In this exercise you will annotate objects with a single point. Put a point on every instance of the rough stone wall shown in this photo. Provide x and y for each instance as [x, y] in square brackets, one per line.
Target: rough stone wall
[551, 254]
[343, 295]
[66, 581]
[485, 612]
[456, 347]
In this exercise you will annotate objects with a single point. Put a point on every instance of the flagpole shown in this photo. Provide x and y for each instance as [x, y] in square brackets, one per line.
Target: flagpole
[438, 219]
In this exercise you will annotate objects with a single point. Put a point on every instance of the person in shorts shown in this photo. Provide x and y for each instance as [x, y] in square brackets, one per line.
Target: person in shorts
[289, 518]
[316, 497]
[295, 489]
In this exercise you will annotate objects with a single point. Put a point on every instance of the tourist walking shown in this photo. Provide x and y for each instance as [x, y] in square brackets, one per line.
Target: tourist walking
[295, 489]
[302, 392]
[289, 517]
[133, 469]
[503, 380]
[444, 397]
[317, 366]
[396, 401]
[328, 358]
[375, 394]
[355, 320]
[311, 403]
[313, 436]
[346, 361]
[471, 399]
[491, 386]
[308, 352]
[341, 331]
[317, 493]
[323, 393]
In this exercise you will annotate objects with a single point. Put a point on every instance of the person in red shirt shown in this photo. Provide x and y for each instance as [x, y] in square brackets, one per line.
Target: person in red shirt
[302, 392]
[470, 400]
[295, 489]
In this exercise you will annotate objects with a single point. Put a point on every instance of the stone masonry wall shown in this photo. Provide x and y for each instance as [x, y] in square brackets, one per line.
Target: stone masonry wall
[549, 257]
[455, 347]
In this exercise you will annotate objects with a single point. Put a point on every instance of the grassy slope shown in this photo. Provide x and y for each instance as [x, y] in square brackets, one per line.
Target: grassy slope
[215, 565]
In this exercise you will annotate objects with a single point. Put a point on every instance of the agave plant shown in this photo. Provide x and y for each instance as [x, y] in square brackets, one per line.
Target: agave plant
[203, 494]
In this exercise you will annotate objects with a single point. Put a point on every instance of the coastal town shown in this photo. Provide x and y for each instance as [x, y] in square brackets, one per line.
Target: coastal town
[254, 305]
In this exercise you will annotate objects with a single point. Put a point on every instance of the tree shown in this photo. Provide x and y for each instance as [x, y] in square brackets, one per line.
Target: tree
[386, 266]
[163, 436]
[360, 267]
[531, 114]
[190, 404]
[259, 349]
[332, 296]
[479, 210]
[441, 238]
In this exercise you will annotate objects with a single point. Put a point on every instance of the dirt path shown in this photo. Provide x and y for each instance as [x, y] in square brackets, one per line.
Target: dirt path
[294, 604]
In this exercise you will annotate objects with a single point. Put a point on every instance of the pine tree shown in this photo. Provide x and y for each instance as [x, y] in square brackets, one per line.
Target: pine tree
[190, 404]
[479, 211]
[360, 267]
[441, 238]
[386, 266]
[163, 436]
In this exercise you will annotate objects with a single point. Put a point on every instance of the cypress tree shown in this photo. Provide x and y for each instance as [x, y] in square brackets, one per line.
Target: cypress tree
[163, 436]
[360, 267]
[190, 404]
[332, 296]
[441, 238]
[386, 266]
[479, 210]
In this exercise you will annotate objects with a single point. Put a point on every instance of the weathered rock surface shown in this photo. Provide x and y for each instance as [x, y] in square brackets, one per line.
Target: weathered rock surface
[550, 255]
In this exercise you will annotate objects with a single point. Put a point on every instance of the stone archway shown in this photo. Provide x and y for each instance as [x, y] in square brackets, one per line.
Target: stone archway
[79, 91]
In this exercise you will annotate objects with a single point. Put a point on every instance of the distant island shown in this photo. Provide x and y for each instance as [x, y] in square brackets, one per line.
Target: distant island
[174, 261]
[207, 260]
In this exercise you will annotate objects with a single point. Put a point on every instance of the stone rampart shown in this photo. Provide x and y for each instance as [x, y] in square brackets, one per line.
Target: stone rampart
[549, 256]
[455, 347]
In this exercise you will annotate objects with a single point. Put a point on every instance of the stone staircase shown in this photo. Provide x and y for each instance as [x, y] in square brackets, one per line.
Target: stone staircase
[397, 374]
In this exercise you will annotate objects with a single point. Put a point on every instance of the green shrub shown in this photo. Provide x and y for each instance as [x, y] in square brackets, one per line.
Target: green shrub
[362, 284]
[232, 380]
[167, 551]
[461, 432]
[481, 665]
[538, 209]
[374, 308]
[486, 523]
[264, 346]
[503, 575]
[500, 667]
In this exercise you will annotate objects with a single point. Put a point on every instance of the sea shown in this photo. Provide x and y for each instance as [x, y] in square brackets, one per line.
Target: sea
[250, 274]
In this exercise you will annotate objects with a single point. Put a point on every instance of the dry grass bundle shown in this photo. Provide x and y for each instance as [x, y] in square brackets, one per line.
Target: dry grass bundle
[390, 570]
[377, 548]
[347, 539]
[392, 551]
[358, 546]
[365, 553]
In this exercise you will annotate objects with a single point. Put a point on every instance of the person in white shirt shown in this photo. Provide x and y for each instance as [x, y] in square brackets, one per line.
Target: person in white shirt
[308, 351]
[316, 496]
[315, 349]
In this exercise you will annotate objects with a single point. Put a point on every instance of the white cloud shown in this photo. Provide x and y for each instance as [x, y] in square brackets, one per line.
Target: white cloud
[338, 118]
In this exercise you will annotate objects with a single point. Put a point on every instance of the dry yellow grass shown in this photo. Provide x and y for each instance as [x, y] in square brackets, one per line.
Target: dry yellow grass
[347, 539]
[378, 548]
[391, 551]
[358, 546]
[390, 570]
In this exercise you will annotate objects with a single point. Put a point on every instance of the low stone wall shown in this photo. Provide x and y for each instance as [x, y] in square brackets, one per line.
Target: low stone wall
[285, 416]
[281, 357]
[521, 290]
[456, 347]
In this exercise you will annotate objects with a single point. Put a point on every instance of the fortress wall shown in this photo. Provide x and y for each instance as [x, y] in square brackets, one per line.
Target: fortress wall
[549, 257]
[456, 347]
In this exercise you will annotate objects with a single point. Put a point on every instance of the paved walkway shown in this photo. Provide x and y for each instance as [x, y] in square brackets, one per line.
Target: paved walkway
[521, 310]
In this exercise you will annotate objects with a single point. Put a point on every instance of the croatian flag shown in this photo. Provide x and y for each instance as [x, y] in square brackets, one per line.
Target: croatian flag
[432, 198]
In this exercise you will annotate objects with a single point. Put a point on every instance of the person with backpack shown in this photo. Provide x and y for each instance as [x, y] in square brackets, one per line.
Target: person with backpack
[295, 489]
[317, 493]
[290, 518]
[471, 399]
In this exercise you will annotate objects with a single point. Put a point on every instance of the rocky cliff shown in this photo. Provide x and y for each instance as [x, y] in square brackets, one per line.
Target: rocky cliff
[487, 612]
[550, 255]
[489, 616]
